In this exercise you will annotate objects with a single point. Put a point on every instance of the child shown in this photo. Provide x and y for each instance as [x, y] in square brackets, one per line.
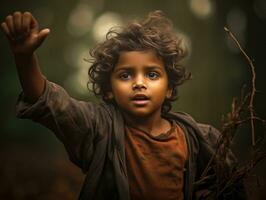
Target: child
[131, 146]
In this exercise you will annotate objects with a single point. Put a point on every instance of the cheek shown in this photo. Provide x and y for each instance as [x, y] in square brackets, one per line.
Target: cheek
[161, 86]
[116, 86]
[119, 89]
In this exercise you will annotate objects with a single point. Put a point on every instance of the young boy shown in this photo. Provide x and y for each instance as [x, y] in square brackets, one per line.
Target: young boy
[131, 146]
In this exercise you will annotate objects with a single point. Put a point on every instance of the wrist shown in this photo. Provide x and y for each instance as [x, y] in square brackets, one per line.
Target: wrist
[23, 56]
[25, 60]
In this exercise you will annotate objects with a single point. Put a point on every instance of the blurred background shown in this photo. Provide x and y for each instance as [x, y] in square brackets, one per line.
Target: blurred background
[34, 164]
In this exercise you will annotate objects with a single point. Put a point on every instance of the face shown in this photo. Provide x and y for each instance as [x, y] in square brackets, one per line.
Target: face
[139, 83]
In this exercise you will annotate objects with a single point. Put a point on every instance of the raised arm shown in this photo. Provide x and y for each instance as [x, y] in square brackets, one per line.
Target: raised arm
[24, 36]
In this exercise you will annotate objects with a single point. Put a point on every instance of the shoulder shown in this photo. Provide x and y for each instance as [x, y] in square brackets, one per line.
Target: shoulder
[205, 132]
[209, 133]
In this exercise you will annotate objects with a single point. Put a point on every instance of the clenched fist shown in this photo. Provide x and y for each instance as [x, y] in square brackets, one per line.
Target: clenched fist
[22, 31]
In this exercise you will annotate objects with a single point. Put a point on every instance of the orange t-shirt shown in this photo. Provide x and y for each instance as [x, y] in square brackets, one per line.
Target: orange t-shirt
[155, 164]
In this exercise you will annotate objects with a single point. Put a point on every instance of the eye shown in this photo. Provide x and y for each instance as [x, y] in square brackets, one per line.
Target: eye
[125, 76]
[153, 75]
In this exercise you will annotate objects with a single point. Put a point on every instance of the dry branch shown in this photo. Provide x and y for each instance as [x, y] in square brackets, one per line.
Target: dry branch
[253, 89]
[224, 176]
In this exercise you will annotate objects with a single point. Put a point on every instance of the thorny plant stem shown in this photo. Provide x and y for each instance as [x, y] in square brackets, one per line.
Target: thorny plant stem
[253, 89]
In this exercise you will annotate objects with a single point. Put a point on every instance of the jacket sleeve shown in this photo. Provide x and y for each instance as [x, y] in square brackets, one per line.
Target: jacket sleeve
[208, 147]
[79, 125]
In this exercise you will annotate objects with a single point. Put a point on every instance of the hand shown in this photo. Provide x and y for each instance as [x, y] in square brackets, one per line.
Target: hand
[22, 31]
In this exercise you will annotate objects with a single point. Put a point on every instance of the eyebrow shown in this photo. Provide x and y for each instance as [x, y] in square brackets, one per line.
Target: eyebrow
[130, 68]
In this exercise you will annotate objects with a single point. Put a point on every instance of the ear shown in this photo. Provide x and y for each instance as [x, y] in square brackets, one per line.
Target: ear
[169, 93]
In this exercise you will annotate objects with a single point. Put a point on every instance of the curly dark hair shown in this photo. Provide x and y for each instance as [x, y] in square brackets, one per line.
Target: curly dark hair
[153, 33]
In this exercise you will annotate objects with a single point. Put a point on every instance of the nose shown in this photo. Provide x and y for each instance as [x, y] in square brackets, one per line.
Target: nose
[139, 83]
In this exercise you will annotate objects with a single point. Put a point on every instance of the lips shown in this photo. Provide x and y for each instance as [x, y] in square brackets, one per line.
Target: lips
[140, 99]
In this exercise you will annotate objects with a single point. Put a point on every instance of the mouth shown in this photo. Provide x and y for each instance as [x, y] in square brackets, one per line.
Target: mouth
[140, 99]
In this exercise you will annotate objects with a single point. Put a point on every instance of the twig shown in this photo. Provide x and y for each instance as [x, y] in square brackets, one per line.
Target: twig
[253, 89]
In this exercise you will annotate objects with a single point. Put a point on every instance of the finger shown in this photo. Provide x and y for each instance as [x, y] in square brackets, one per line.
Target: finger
[6, 30]
[34, 26]
[10, 25]
[43, 34]
[26, 20]
[17, 19]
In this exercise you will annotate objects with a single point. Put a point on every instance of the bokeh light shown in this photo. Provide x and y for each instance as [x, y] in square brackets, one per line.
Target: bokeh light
[104, 23]
[75, 55]
[201, 8]
[80, 20]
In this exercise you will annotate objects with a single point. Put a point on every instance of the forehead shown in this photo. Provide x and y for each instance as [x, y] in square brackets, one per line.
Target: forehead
[139, 58]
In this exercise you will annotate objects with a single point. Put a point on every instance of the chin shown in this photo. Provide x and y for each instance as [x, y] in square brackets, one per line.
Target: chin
[140, 113]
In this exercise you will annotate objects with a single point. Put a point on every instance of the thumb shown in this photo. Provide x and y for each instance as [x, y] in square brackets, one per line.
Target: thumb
[43, 34]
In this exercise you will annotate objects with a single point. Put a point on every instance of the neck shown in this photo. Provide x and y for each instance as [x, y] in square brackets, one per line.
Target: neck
[153, 124]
